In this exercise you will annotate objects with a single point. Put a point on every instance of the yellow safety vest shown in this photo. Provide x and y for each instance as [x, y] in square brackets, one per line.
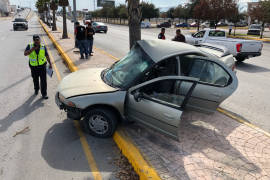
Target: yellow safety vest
[37, 60]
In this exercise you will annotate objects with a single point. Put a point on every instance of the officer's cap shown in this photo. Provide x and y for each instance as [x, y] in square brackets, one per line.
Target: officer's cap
[36, 37]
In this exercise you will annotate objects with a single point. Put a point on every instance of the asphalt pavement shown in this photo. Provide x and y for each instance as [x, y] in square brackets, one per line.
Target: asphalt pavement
[250, 101]
[37, 140]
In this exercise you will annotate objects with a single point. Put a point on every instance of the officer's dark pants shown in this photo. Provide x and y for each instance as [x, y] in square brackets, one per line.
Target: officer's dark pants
[39, 72]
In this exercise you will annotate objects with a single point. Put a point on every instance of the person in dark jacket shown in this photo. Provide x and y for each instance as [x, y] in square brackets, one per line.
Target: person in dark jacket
[81, 40]
[162, 34]
[89, 38]
[179, 37]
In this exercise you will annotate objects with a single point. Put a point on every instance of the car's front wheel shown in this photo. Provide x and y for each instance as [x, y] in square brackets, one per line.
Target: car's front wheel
[100, 122]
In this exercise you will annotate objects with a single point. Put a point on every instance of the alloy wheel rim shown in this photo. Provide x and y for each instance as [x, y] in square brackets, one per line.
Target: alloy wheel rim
[98, 124]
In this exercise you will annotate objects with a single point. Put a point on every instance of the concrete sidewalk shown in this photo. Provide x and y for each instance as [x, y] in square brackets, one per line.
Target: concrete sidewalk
[209, 146]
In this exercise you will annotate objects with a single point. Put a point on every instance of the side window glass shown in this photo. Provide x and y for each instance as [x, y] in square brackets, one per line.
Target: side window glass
[165, 92]
[221, 77]
[217, 33]
[199, 34]
[214, 74]
[211, 33]
[167, 67]
[191, 65]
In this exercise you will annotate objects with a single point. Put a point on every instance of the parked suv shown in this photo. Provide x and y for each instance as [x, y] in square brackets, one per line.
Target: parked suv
[254, 29]
[153, 84]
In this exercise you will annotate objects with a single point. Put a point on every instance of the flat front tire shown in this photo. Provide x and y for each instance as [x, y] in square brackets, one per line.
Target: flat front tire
[100, 122]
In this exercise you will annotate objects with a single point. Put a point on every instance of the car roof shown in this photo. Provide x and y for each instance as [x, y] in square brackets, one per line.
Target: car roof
[162, 49]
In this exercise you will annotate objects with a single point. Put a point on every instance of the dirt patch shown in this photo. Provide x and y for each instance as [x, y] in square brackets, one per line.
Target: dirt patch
[125, 171]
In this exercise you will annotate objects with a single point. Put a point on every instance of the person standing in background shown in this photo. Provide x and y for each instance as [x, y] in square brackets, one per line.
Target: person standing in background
[89, 38]
[230, 29]
[162, 34]
[179, 37]
[81, 40]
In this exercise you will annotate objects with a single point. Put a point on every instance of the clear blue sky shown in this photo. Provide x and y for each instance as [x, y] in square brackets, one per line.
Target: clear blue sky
[89, 4]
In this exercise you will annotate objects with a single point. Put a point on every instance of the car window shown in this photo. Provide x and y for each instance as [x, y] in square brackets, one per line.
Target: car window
[125, 71]
[101, 24]
[216, 33]
[206, 71]
[164, 92]
[199, 34]
[167, 67]
[20, 20]
[214, 74]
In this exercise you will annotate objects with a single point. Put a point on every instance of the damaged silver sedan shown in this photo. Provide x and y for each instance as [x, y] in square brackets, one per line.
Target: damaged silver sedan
[153, 84]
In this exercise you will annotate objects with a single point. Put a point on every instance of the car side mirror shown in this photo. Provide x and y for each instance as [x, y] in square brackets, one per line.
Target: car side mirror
[138, 96]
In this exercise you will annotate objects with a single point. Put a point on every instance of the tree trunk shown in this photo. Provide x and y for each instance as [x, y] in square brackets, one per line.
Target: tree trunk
[262, 29]
[120, 21]
[64, 36]
[234, 29]
[134, 19]
[54, 22]
[198, 25]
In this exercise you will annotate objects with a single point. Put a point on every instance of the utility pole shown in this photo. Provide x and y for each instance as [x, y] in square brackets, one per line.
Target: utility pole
[74, 12]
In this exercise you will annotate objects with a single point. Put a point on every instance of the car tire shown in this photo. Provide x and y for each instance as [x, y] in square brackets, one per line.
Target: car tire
[14, 29]
[105, 32]
[240, 59]
[100, 114]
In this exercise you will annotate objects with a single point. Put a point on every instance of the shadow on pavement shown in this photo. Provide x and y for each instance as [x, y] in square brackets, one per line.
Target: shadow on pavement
[251, 68]
[14, 84]
[62, 149]
[203, 145]
[21, 112]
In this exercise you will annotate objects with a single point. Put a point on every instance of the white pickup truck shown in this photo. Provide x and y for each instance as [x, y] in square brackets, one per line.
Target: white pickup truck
[239, 48]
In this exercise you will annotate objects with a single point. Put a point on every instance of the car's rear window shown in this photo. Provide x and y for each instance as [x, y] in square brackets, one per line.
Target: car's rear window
[255, 27]
[101, 24]
[19, 20]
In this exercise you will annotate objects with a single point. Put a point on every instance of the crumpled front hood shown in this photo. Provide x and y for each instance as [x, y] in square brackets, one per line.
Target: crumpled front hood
[86, 81]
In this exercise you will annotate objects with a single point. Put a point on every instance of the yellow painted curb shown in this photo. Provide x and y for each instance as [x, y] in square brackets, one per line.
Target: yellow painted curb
[134, 156]
[223, 111]
[69, 62]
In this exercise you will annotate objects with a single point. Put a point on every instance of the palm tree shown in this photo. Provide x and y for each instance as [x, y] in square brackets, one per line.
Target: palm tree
[64, 3]
[54, 7]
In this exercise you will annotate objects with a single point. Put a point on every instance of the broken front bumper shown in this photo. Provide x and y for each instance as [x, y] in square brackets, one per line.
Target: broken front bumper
[72, 112]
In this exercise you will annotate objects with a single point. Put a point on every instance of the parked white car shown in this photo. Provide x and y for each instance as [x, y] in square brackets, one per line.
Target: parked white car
[145, 24]
[241, 49]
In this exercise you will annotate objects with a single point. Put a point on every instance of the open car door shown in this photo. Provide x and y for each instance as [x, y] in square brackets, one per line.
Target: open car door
[156, 104]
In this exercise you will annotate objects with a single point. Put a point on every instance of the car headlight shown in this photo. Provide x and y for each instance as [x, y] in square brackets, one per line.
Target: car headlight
[65, 101]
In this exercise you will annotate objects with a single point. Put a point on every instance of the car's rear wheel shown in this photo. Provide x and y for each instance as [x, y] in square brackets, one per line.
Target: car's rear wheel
[100, 122]
[105, 31]
[240, 59]
[14, 29]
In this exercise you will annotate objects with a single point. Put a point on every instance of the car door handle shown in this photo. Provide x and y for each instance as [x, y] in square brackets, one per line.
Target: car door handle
[168, 116]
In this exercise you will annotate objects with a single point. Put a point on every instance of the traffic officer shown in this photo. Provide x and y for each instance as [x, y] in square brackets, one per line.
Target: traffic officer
[38, 57]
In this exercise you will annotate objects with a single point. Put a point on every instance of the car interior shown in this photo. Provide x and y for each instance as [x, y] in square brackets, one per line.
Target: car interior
[174, 91]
